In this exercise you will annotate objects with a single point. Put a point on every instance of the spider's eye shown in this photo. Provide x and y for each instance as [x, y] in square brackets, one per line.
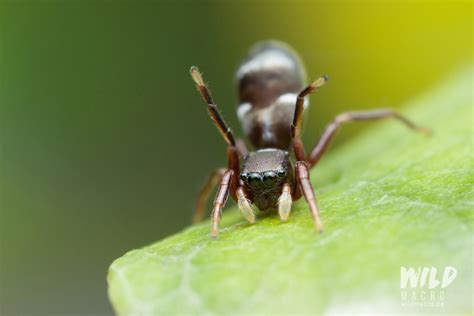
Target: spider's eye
[254, 180]
[281, 173]
[243, 176]
[269, 178]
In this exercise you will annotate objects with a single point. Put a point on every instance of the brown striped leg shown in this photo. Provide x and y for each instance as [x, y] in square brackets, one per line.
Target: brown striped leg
[302, 175]
[347, 117]
[226, 132]
[213, 179]
[302, 183]
[299, 107]
[219, 202]
[223, 128]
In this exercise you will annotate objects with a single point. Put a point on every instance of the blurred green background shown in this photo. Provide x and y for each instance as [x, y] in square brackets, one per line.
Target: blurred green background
[105, 142]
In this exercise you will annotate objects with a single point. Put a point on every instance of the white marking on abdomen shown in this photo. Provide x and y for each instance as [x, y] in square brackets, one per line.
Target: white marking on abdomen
[290, 99]
[266, 60]
[266, 121]
[242, 110]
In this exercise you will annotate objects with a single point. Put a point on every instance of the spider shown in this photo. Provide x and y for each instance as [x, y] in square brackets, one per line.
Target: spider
[272, 98]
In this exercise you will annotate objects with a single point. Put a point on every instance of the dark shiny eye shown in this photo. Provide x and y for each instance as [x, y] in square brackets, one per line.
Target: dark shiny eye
[254, 180]
[269, 178]
[243, 176]
[281, 174]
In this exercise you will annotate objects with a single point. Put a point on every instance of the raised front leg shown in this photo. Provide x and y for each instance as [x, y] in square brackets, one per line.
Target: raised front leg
[347, 117]
[303, 185]
[232, 149]
[298, 117]
[219, 202]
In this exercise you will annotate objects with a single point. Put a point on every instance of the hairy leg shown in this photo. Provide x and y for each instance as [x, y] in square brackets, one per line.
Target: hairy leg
[213, 179]
[219, 202]
[232, 150]
[302, 183]
[302, 174]
[347, 117]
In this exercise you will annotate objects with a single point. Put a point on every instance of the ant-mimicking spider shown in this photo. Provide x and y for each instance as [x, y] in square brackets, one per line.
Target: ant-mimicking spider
[272, 100]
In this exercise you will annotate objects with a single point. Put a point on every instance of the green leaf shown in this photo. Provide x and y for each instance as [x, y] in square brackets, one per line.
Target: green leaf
[389, 198]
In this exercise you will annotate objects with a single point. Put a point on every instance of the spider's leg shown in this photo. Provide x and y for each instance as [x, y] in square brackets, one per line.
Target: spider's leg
[302, 176]
[232, 150]
[302, 183]
[219, 202]
[347, 117]
[203, 196]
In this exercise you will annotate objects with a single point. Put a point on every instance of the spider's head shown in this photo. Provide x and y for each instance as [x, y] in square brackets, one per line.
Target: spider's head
[265, 169]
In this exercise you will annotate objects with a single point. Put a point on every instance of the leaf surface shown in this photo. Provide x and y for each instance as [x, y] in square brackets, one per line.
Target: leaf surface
[389, 198]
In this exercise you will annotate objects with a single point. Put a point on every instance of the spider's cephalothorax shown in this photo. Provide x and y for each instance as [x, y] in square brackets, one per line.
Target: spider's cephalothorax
[263, 174]
[272, 99]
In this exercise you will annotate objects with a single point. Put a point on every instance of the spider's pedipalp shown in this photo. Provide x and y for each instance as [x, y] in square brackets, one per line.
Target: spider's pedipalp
[284, 202]
[245, 206]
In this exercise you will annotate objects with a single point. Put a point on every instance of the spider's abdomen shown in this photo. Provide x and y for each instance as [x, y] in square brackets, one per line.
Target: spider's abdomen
[269, 80]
